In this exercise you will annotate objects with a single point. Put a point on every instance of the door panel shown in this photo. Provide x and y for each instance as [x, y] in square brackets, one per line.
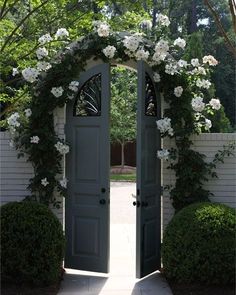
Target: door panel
[148, 228]
[87, 169]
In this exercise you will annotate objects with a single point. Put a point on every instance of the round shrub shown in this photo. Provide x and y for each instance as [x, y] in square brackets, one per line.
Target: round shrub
[199, 244]
[32, 243]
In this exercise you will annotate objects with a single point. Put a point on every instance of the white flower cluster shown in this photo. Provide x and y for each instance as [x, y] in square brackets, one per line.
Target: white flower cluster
[163, 20]
[208, 124]
[197, 104]
[163, 154]
[63, 182]
[210, 60]
[30, 74]
[195, 62]
[62, 148]
[103, 29]
[109, 51]
[203, 83]
[28, 112]
[215, 103]
[199, 71]
[43, 66]
[141, 54]
[164, 125]
[171, 68]
[180, 42]
[73, 86]
[178, 91]
[161, 51]
[62, 32]
[131, 43]
[34, 139]
[44, 181]
[12, 121]
[156, 77]
[41, 52]
[45, 39]
[57, 91]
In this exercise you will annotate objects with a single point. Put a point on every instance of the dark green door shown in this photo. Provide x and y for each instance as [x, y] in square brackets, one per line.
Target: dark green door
[148, 228]
[87, 169]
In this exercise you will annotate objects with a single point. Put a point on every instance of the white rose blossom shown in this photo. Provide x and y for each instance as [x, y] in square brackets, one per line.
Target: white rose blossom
[43, 66]
[162, 46]
[41, 52]
[131, 43]
[195, 62]
[15, 72]
[163, 154]
[103, 30]
[197, 104]
[12, 121]
[182, 63]
[63, 182]
[210, 60]
[30, 74]
[109, 51]
[34, 139]
[171, 68]
[73, 86]
[11, 144]
[203, 83]
[180, 42]
[156, 77]
[178, 91]
[57, 91]
[44, 181]
[141, 54]
[45, 39]
[163, 20]
[208, 124]
[28, 112]
[215, 104]
[62, 32]
[164, 125]
[62, 148]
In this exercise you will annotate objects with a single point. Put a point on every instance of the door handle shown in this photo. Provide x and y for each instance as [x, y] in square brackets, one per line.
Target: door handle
[136, 204]
[102, 201]
[103, 190]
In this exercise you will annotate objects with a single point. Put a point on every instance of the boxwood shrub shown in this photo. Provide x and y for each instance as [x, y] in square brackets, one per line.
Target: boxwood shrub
[32, 243]
[199, 244]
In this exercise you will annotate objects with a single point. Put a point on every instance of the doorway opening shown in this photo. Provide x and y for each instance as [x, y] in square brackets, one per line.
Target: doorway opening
[123, 129]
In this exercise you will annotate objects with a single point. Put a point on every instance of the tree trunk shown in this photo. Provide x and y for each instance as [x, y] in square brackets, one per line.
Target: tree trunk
[122, 155]
[154, 15]
[192, 18]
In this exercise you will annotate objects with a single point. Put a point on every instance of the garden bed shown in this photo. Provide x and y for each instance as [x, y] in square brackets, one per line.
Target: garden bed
[14, 289]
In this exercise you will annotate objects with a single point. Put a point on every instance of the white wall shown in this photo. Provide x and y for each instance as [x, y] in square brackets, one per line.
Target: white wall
[15, 173]
[223, 187]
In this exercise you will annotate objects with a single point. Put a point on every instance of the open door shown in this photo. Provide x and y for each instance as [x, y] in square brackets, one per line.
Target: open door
[148, 227]
[87, 169]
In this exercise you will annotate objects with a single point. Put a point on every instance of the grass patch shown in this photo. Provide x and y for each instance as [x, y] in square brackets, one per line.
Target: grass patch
[123, 177]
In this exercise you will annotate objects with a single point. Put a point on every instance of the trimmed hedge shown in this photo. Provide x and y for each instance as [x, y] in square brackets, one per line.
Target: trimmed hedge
[32, 243]
[199, 244]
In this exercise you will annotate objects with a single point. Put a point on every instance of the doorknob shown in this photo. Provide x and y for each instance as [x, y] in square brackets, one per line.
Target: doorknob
[102, 201]
[103, 190]
[136, 204]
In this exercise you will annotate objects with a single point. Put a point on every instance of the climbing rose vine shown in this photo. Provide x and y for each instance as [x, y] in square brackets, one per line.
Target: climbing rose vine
[184, 85]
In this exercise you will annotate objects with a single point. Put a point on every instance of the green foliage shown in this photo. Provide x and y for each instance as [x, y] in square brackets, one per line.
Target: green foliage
[123, 105]
[32, 244]
[199, 245]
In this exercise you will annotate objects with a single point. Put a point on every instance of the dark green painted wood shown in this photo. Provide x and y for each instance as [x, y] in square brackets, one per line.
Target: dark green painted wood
[87, 169]
[148, 227]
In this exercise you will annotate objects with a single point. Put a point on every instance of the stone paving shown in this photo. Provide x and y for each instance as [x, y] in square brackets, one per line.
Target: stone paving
[121, 279]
